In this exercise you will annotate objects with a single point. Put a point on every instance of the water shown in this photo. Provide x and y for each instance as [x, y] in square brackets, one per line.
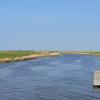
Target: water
[68, 77]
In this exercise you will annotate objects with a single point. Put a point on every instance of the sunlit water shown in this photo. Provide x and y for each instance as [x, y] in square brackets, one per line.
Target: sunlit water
[68, 77]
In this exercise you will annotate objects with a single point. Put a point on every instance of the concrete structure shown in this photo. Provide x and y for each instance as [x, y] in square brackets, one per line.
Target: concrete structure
[96, 81]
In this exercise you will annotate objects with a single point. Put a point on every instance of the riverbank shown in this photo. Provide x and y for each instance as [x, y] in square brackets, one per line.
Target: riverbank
[13, 56]
[94, 53]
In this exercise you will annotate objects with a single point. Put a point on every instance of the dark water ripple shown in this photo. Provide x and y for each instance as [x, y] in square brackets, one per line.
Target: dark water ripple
[67, 77]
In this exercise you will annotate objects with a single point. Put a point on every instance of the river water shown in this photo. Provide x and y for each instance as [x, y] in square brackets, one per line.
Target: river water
[67, 77]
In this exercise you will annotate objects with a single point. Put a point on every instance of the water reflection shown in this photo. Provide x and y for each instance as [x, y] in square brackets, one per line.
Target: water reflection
[96, 89]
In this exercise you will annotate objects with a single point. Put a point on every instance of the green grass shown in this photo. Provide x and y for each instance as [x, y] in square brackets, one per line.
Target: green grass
[13, 54]
[92, 52]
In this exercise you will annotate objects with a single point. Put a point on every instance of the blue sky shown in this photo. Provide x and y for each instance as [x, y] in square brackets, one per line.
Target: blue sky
[49, 24]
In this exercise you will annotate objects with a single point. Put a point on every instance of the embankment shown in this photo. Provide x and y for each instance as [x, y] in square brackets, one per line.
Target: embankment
[28, 57]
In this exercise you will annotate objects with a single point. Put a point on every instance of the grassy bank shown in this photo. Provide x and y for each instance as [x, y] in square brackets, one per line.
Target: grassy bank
[13, 54]
[97, 53]
[10, 56]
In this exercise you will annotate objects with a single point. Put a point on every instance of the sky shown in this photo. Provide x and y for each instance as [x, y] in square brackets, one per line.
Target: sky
[49, 24]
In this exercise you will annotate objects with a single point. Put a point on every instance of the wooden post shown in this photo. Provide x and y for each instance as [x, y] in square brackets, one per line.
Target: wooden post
[96, 81]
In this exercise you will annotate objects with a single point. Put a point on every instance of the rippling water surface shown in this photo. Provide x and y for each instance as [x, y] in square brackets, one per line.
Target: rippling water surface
[67, 77]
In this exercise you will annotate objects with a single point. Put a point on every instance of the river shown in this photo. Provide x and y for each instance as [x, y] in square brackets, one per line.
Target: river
[67, 77]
